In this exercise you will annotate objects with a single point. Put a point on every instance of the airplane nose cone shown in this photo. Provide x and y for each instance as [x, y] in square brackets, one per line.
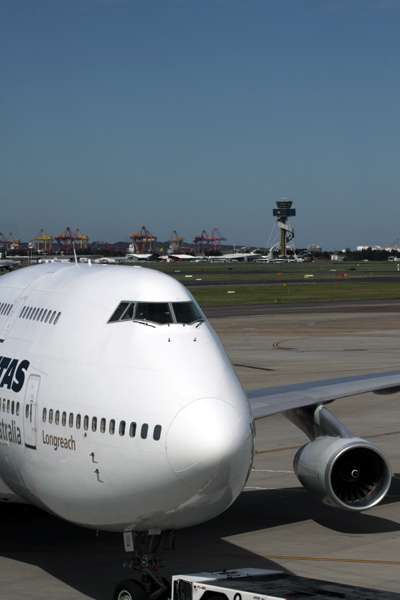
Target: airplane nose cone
[206, 434]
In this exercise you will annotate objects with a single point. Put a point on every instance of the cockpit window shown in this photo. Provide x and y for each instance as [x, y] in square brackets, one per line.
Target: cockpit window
[128, 314]
[157, 312]
[186, 312]
[119, 311]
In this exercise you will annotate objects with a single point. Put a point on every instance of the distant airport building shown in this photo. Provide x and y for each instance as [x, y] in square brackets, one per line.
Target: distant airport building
[392, 248]
[360, 248]
[337, 257]
[314, 248]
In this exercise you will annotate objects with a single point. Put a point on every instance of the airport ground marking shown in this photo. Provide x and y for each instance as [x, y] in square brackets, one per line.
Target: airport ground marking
[278, 347]
[251, 367]
[279, 557]
[343, 560]
[215, 555]
[270, 471]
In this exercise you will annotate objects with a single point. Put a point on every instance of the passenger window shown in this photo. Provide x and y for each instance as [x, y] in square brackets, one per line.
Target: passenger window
[22, 312]
[86, 423]
[4, 405]
[28, 313]
[48, 315]
[32, 313]
[94, 423]
[26, 411]
[8, 406]
[44, 415]
[157, 312]
[64, 419]
[157, 433]
[9, 310]
[78, 421]
[52, 317]
[57, 418]
[39, 315]
[12, 407]
[112, 426]
[122, 428]
[119, 311]
[132, 430]
[51, 415]
[102, 425]
[43, 315]
[143, 431]
[71, 419]
[57, 317]
[17, 410]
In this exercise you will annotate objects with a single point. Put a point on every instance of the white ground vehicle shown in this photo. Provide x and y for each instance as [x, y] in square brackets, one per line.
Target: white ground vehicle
[260, 584]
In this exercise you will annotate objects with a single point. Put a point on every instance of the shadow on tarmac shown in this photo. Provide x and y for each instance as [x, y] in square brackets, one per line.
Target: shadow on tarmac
[93, 564]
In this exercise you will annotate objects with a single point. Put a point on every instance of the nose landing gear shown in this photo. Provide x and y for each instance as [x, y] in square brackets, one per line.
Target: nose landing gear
[150, 585]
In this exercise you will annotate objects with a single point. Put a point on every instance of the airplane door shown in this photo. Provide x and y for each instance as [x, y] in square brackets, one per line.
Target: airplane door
[30, 412]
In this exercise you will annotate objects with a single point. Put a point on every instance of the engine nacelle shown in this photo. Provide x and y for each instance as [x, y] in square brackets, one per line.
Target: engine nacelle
[348, 473]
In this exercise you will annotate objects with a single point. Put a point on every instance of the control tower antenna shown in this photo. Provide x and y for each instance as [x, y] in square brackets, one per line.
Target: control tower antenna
[283, 212]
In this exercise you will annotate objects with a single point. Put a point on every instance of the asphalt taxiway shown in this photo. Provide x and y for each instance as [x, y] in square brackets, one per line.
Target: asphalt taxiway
[274, 523]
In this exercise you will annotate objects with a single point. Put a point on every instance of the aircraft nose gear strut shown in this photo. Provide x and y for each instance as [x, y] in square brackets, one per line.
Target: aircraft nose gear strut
[150, 585]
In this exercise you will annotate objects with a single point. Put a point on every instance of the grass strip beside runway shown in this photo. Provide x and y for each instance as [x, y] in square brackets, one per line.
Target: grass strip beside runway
[285, 294]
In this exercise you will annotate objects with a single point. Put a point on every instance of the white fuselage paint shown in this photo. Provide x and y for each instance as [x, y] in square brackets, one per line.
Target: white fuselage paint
[177, 377]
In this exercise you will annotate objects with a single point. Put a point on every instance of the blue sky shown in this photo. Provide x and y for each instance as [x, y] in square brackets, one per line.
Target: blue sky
[193, 114]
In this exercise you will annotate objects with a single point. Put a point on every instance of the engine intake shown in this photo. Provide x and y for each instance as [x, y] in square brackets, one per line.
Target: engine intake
[349, 473]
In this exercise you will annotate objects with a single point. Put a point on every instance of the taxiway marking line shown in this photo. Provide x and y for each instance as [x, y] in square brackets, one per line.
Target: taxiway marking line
[343, 560]
[309, 558]
[277, 346]
[247, 556]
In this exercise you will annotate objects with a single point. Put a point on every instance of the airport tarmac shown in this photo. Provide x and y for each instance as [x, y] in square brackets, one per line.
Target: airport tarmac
[274, 523]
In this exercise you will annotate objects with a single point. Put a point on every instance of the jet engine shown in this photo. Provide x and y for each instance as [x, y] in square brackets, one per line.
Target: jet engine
[348, 473]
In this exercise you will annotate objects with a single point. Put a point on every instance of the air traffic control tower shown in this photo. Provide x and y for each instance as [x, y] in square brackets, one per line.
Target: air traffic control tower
[283, 212]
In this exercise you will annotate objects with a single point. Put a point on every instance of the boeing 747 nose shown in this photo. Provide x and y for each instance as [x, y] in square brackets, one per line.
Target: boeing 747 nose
[210, 447]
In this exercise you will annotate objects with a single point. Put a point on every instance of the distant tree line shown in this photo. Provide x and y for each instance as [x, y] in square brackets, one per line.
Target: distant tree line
[352, 255]
[369, 254]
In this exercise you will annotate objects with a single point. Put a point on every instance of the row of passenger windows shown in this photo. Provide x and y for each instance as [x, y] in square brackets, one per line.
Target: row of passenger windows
[40, 314]
[58, 417]
[156, 312]
[5, 308]
[9, 406]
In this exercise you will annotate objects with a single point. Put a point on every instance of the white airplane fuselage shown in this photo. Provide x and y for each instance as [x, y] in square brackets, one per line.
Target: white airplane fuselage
[153, 429]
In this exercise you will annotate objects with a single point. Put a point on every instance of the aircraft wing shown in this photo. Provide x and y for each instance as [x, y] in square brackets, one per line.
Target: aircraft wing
[270, 401]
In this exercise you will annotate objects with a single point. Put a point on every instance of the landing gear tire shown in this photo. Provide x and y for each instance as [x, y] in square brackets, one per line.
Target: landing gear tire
[129, 590]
